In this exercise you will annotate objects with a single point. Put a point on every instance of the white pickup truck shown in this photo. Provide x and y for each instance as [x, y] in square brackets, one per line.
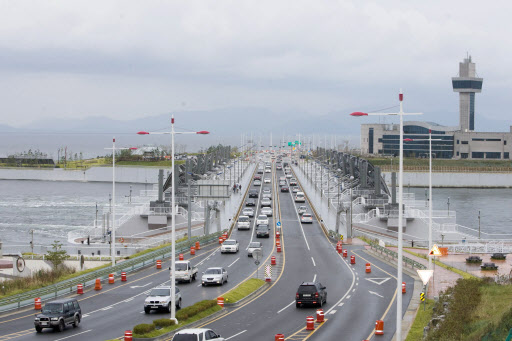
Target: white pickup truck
[185, 272]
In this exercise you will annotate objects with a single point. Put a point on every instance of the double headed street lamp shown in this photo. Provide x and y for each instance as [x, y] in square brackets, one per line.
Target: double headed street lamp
[113, 232]
[400, 208]
[429, 189]
[173, 210]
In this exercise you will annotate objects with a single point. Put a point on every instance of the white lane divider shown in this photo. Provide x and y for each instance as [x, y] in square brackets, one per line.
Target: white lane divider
[236, 260]
[140, 286]
[67, 337]
[332, 312]
[298, 219]
[107, 308]
[314, 278]
[348, 297]
[243, 331]
[286, 307]
[341, 304]
[313, 261]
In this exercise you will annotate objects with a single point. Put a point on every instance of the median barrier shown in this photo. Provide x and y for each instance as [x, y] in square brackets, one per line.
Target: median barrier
[79, 289]
[379, 327]
[37, 303]
[310, 323]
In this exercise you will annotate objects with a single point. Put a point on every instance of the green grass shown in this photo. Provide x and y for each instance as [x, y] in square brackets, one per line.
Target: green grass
[422, 319]
[243, 290]
[464, 274]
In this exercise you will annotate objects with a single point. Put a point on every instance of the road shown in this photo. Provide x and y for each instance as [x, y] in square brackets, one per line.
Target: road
[355, 299]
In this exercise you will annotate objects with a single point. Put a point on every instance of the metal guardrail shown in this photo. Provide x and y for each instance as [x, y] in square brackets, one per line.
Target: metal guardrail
[394, 255]
[68, 286]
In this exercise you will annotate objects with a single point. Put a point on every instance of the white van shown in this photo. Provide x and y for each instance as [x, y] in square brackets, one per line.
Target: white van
[244, 223]
[300, 197]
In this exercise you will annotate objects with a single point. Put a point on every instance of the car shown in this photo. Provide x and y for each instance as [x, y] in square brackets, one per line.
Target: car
[195, 334]
[248, 212]
[267, 196]
[288, 175]
[260, 170]
[250, 202]
[257, 177]
[253, 246]
[58, 314]
[296, 189]
[282, 183]
[311, 293]
[267, 180]
[282, 178]
[300, 197]
[285, 189]
[214, 275]
[229, 245]
[257, 183]
[262, 220]
[159, 298]
[293, 182]
[244, 222]
[267, 190]
[268, 170]
[266, 211]
[263, 231]
[184, 271]
[253, 193]
[279, 167]
[302, 209]
[266, 202]
[306, 218]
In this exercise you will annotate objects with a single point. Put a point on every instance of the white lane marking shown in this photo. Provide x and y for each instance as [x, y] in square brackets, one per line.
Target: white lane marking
[85, 315]
[107, 308]
[142, 312]
[353, 290]
[236, 260]
[256, 213]
[332, 312]
[314, 278]
[128, 299]
[341, 304]
[67, 337]
[286, 307]
[357, 283]
[374, 293]
[378, 281]
[236, 335]
[313, 261]
[348, 297]
[298, 219]
[140, 286]
[199, 285]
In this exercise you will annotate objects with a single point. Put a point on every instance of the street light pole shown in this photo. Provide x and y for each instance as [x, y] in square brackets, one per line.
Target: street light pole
[400, 210]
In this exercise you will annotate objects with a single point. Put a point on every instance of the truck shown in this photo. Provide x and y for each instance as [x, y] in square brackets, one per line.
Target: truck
[185, 271]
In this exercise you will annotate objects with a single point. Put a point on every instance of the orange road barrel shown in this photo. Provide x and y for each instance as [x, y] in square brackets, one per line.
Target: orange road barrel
[278, 247]
[198, 246]
[128, 335]
[345, 253]
[221, 240]
[181, 257]
[111, 279]
[279, 337]
[403, 288]
[192, 250]
[97, 284]
[273, 260]
[79, 289]
[319, 315]
[220, 301]
[310, 323]
[368, 268]
[159, 264]
[123, 276]
[379, 327]
[352, 259]
[37, 303]
[278, 235]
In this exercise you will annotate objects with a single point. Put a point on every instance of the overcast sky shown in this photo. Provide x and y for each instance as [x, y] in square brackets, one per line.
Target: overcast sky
[130, 59]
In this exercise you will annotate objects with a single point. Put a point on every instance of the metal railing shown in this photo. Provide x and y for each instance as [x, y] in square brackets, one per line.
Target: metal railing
[394, 255]
[69, 286]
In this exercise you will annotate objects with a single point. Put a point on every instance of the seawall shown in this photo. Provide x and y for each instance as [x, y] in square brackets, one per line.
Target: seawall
[94, 174]
[454, 180]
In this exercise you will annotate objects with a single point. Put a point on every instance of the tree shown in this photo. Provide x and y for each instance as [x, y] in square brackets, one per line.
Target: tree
[57, 255]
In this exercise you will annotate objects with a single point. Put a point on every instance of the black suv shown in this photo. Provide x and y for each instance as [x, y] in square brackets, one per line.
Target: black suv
[311, 293]
[59, 313]
[253, 193]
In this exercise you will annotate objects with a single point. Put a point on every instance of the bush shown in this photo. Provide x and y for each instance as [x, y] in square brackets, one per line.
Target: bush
[162, 323]
[195, 309]
[143, 328]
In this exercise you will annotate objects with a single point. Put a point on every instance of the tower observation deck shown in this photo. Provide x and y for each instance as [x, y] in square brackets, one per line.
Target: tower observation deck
[467, 84]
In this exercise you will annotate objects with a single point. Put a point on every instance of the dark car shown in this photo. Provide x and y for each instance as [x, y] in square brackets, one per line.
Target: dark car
[311, 293]
[253, 193]
[257, 177]
[285, 189]
[58, 314]
[262, 231]
[250, 202]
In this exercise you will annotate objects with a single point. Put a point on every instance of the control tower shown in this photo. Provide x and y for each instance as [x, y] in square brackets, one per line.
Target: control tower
[467, 84]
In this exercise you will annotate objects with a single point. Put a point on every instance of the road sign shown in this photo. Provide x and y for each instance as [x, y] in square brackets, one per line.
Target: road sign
[422, 296]
[435, 251]
[425, 275]
[278, 224]
[257, 254]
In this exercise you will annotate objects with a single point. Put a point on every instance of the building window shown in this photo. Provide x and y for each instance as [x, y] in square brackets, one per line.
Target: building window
[505, 155]
[477, 155]
[457, 153]
[478, 139]
[370, 141]
[457, 141]
[472, 111]
[464, 155]
[493, 155]
[505, 142]
[493, 140]
[464, 142]
[380, 140]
